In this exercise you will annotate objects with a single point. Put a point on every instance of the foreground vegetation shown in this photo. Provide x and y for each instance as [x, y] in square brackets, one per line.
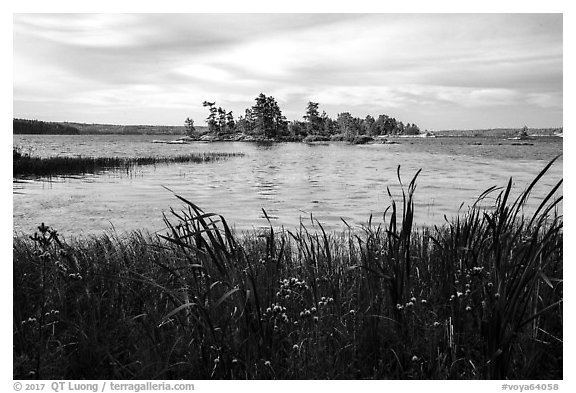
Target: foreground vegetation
[25, 164]
[479, 297]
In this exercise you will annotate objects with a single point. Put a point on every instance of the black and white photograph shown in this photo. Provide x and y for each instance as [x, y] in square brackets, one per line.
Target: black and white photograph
[287, 196]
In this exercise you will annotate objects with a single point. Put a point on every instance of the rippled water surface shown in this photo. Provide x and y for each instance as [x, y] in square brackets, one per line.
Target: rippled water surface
[288, 180]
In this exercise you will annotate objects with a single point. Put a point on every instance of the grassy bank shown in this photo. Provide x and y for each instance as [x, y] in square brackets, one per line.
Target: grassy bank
[479, 297]
[27, 165]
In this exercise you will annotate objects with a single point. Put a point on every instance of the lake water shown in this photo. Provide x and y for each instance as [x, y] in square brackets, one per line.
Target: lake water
[288, 180]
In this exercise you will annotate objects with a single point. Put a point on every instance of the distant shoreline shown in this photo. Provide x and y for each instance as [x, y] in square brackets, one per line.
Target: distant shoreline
[116, 129]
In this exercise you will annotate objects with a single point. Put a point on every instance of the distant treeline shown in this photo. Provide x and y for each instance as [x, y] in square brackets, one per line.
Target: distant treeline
[21, 126]
[499, 132]
[128, 129]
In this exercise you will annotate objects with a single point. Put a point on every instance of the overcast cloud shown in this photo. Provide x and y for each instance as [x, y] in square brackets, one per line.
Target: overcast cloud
[441, 71]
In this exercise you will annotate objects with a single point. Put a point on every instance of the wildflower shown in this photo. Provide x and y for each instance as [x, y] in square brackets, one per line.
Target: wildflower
[423, 301]
[452, 297]
[456, 282]
[322, 299]
[268, 310]
[415, 358]
[307, 313]
[413, 299]
[352, 312]
[399, 307]
[489, 285]
[458, 294]
[295, 347]
[436, 324]
[315, 319]
[497, 295]
[267, 363]
[217, 360]
[467, 292]
[468, 308]
[234, 361]
[313, 309]
[409, 304]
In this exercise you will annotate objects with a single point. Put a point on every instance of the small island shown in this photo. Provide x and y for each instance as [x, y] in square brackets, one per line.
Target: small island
[264, 122]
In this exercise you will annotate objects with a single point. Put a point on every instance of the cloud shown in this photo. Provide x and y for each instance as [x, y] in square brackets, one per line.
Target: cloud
[399, 62]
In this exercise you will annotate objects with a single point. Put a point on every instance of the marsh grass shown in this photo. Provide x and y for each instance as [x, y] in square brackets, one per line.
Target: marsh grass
[27, 165]
[479, 297]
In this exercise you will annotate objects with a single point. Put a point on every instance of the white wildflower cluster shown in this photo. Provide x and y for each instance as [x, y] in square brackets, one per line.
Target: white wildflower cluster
[30, 320]
[309, 313]
[324, 301]
[466, 280]
[410, 303]
[264, 261]
[52, 313]
[60, 266]
[290, 286]
[277, 312]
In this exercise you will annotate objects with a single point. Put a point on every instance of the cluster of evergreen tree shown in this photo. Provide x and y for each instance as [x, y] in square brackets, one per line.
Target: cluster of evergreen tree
[219, 121]
[21, 126]
[265, 119]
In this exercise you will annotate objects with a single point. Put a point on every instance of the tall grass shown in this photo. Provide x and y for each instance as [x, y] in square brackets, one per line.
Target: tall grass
[478, 297]
[26, 165]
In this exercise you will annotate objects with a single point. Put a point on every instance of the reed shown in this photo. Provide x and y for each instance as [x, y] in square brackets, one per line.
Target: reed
[27, 165]
[479, 297]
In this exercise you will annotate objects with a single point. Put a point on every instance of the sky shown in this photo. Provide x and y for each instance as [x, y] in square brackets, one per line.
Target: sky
[440, 71]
